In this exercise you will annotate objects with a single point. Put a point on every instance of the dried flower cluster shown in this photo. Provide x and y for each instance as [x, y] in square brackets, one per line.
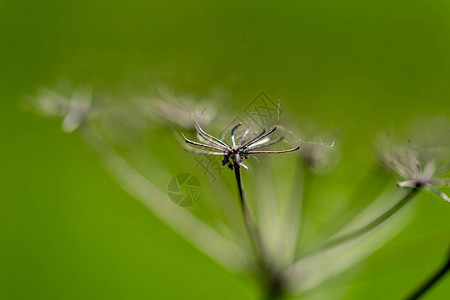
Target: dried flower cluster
[415, 172]
[281, 266]
[237, 152]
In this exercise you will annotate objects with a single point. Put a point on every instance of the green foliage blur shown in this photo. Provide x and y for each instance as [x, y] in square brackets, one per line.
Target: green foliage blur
[68, 231]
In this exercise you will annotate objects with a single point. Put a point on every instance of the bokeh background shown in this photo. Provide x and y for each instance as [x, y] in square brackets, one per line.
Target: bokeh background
[68, 231]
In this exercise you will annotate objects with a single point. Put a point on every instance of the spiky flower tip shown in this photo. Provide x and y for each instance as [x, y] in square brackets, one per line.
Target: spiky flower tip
[239, 150]
[416, 170]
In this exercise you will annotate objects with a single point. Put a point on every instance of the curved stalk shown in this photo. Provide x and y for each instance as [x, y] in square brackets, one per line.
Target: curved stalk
[369, 188]
[430, 282]
[370, 226]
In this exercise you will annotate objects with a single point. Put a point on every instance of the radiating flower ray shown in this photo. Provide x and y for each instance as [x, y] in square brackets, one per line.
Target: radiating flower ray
[318, 267]
[321, 156]
[203, 237]
[53, 103]
[370, 188]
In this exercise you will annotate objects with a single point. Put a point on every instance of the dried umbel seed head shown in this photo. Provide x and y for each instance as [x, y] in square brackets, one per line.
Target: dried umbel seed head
[241, 147]
[74, 106]
[415, 170]
[168, 108]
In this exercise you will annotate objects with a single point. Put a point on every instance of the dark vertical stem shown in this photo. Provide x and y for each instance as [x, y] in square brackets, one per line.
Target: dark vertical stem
[271, 283]
[430, 282]
[251, 226]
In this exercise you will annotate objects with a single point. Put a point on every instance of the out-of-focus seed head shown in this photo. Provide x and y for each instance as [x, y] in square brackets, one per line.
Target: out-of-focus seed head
[420, 165]
[168, 108]
[73, 104]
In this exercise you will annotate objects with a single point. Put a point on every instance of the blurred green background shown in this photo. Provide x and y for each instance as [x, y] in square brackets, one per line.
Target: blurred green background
[68, 231]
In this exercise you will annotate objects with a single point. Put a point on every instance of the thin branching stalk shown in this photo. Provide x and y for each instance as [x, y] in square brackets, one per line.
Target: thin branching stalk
[430, 282]
[369, 188]
[370, 226]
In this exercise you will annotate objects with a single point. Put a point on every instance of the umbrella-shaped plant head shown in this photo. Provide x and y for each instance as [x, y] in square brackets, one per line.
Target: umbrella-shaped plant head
[256, 235]
[235, 153]
[233, 157]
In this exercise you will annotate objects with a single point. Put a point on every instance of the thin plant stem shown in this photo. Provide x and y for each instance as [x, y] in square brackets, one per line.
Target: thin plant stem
[369, 188]
[270, 281]
[370, 226]
[254, 234]
[430, 282]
